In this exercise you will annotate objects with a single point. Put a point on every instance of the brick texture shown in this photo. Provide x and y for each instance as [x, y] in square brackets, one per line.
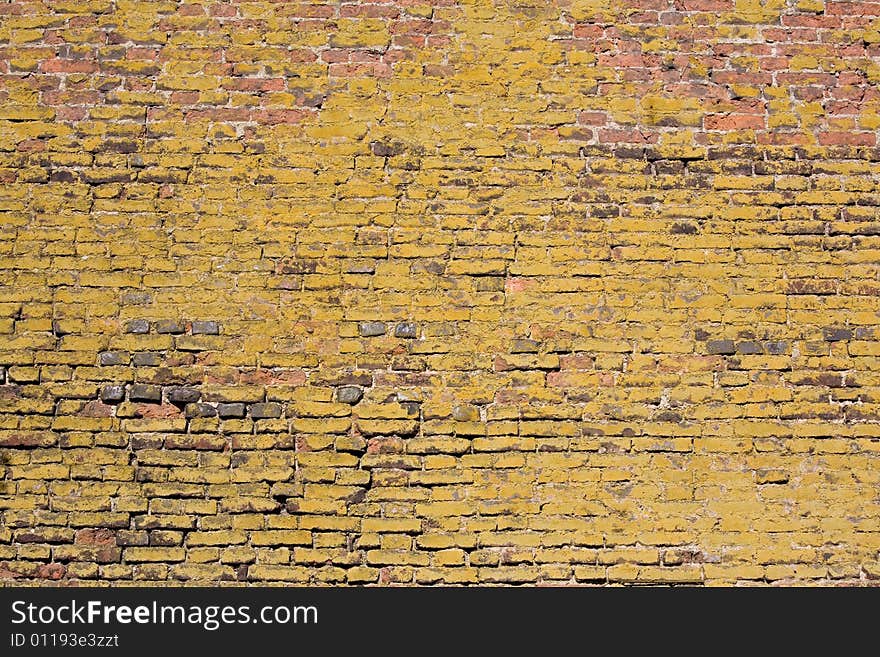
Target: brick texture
[439, 291]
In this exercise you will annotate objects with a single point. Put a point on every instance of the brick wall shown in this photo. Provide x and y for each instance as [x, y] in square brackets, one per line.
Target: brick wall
[439, 291]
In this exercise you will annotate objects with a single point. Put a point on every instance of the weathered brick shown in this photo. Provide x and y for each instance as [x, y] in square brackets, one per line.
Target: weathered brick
[234, 410]
[623, 256]
[200, 410]
[405, 330]
[372, 329]
[205, 328]
[183, 395]
[147, 393]
[168, 326]
[266, 410]
[138, 326]
[720, 347]
[112, 394]
[349, 394]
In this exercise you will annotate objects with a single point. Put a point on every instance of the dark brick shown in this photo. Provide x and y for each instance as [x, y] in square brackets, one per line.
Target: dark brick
[776, 347]
[382, 149]
[749, 347]
[62, 176]
[169, 326]
[298, 267]
[683, 229]
[265, 410]
[605, 211]
[231, 410]
[836, 334]
[205, 328]
[183, 395]
[119, 146]
[114, 358]
[700, 334]
[720, 347]
[668, 167]
[200, 410]
[137, 326]
[112, 394]
[372, 329]
[349, 395]
[146, 359]
[630, 152]
[405, 330]
[146, 393]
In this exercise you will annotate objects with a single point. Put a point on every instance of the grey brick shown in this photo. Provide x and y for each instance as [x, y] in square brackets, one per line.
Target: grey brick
[720, 347]
[349, 395]
[231, 410]
[372, 329]
[776, 347]
[146, 359]
[200, 410]
[112, 394]
[114, 358]
[265, 410]
[749, 347]
[836, 334]
[405, 330]
[143, 392]
[183, 395]
[137, 326]
[169, 326]
[205, 328]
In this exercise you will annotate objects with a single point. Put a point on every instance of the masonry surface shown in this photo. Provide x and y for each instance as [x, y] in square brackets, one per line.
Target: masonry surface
[450, 292]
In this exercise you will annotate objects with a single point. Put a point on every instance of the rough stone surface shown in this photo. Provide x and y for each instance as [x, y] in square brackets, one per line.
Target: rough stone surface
[142, 392]
[372, 329]
[138, 326]
[169, 326]
[231, 410]
[114, 358]
[721, 347]
[349, 394]
[267, 410]
[112, 394]
[146, 359]
[205, 328]
[483, 292]
[405, 330]
[183, 395]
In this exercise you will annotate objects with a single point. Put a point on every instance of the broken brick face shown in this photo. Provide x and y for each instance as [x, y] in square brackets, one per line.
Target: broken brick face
[443, 292]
